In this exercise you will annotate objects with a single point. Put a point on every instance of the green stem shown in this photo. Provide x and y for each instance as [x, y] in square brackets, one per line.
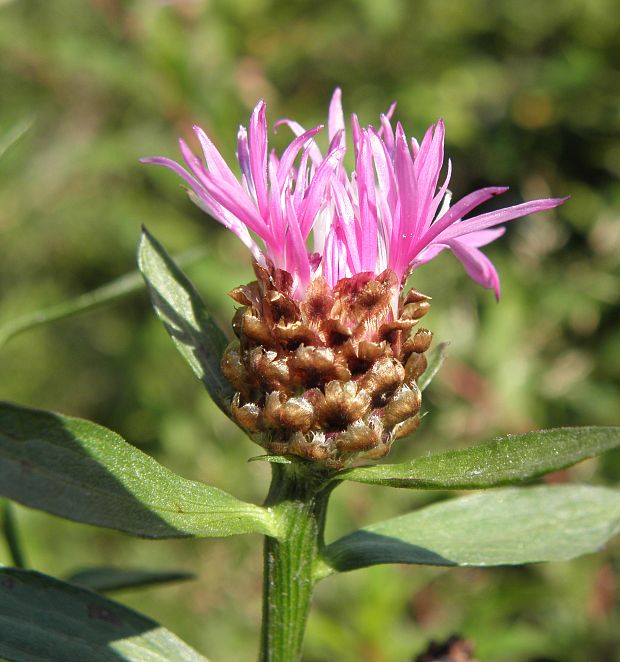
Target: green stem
[298, 498]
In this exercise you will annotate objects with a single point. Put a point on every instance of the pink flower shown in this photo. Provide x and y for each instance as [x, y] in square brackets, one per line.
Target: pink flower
[391, 212]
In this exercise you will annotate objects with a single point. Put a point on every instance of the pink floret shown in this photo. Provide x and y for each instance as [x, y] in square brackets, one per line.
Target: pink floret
[391, 212]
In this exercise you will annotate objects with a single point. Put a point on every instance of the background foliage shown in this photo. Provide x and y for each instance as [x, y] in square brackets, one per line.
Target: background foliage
[529, 93]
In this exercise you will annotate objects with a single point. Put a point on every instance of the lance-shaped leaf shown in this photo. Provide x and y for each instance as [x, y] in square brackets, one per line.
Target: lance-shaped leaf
[9, 528]
[104, 579]
[509, 459]
[85, 472]
[42, 618]
[179, 306]
[508, 526]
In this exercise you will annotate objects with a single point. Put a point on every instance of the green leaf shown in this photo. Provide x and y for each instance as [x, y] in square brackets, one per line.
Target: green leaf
[85, 472]
[113, 291]
[179, 306]
[435, 360]
[103, 580]
[507, 526]
[509, 459]
[42, 618]
[9, 528]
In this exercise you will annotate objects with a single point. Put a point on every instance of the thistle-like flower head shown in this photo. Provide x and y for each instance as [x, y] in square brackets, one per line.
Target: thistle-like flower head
[327, 359]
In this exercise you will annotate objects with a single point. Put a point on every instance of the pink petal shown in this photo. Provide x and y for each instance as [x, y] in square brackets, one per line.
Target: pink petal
[301, 180]
[482, 237]
[456, 212]
[477, 265]
[239, 206]
[336, 118]
[347, 224]
[427, 166]
[367, 206]
[437, 200]
[356, 132]
[213, 158]
[384, 168]
[381, 215]
[428, 254]
[334, 258]
[315, 153]
[175, 167]
[224, 217]
[368, 244]
[403, 231]
[492, 218]
[277, 216]
[385, 131]
[258, 157]
[314, 197]
[206, 177]
[243, 156]
[297, 261]
[204, 200]
[291, 152]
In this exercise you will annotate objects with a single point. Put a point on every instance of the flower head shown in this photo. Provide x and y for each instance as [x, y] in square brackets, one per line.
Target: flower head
[327, 358]
[390, 212]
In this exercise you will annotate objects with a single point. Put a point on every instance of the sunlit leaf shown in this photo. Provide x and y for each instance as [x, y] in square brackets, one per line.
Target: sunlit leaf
[508, 526]
[509, 459]
[85, 472]
[42, 618]
[178, 305]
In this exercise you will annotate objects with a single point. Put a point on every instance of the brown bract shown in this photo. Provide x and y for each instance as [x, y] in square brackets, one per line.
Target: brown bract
[331, 377]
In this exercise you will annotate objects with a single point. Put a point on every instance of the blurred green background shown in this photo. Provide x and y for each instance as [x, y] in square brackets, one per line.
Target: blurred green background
[529, 94]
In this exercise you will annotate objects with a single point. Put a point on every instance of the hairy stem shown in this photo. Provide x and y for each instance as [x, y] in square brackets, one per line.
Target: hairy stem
[298, 497]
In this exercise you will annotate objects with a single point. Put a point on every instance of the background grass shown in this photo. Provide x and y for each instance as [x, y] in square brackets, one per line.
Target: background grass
[529, 94]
